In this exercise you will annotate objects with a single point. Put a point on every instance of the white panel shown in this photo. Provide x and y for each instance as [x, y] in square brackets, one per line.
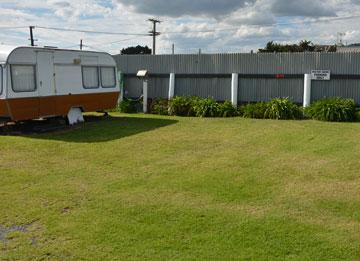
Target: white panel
[307, 90]
[106, 59]
[45, 74]
[145, 96]
[68, 79]
[89, 59]
[65, 57]
[234, 89]
[1, 81]
[171, 86]
[22, 55]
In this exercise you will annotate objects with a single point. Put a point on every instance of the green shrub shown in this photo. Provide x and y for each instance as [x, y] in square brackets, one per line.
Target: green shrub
[226, 109]
[332, 109]
[282, 109]
[253, 110]
[357, 114]
[128, 106]
[182, 106]
[160, 106]
[206, 108]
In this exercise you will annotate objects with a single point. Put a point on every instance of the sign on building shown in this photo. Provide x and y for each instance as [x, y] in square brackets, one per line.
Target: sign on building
[320, 75]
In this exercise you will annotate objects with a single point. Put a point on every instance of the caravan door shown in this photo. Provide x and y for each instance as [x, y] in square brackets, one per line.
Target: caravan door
[46, 83]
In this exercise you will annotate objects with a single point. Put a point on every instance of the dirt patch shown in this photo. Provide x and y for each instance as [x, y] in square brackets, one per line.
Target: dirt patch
[14, 228]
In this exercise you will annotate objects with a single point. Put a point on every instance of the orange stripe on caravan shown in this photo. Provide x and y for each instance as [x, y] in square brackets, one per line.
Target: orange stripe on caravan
[39, 107]
[3, 109]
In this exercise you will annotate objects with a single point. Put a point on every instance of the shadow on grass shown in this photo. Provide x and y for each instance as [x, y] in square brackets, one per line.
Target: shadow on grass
[95, 129]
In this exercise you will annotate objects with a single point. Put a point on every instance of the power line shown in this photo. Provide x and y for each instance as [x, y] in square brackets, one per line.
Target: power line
[103, 44]
[87, 31]
[13, 27]
[123, 40]
[267, 25]
[94, 48]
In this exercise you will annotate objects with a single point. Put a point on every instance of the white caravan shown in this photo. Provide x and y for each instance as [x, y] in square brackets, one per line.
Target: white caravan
[48, 82]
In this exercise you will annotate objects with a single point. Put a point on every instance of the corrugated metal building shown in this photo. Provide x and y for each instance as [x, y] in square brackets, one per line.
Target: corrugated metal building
[261, 76]
[348, 49]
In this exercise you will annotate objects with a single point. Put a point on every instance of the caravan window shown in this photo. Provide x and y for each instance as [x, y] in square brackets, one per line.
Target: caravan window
[23, 78]
[108, 77]
[90, 76]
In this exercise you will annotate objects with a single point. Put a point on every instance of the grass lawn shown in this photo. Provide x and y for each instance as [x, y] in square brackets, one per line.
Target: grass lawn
[160, 188]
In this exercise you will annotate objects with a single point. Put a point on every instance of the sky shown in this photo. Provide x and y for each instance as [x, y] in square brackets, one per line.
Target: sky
[214, 26]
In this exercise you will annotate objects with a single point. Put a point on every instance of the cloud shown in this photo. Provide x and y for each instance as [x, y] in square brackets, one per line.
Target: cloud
[308, 8]
[256, 14]
[177, 8]
[212, 25]
[218, 8]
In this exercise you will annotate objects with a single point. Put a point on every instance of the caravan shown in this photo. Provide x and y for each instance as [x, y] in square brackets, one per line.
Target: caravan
[49, 82]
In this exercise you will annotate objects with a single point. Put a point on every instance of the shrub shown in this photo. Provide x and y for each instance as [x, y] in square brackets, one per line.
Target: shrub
[226, 109]
[253, 110]
[206, 108]
[332, 109]
[160, 106]
[357, 114]
[282, 109]
[128, 106]
[182, 106]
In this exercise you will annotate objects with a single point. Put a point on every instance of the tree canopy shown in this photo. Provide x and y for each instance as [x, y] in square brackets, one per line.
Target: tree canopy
[302, 46]
[136, 50]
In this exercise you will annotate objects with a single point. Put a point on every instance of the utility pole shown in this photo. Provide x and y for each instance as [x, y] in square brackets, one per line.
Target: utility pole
[81, 44]
[340, 39]
[32, 41]
[154, 33]
[173, 49]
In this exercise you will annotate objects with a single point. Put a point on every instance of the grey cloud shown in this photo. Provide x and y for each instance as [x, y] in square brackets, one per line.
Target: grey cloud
[61, 4]
[220, 8]
[309, 8]
[176, 8]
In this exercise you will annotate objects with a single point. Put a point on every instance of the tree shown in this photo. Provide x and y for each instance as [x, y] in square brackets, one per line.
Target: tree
[136, 50]
[302, 46]
[306, 46]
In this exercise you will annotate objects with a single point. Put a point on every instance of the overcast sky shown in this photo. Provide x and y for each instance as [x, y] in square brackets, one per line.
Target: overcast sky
[212, 25]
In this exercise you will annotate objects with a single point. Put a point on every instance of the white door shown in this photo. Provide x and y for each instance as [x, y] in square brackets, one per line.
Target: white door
[45, 68]
[45, 84]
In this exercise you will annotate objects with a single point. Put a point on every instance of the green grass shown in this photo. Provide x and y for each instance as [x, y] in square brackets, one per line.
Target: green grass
[155, 187]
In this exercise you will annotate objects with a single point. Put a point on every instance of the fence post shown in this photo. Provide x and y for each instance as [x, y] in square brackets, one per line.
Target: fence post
[145, 96]
[307, 90]
[234, 89]
[121, 86]
[171, 86]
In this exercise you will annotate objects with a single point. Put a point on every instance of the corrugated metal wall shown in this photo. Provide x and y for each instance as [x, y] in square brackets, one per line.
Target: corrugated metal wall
[158, 87]
[264, 63]
[203, 75]
[346, 88]
[255, 90]
[218, 88]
